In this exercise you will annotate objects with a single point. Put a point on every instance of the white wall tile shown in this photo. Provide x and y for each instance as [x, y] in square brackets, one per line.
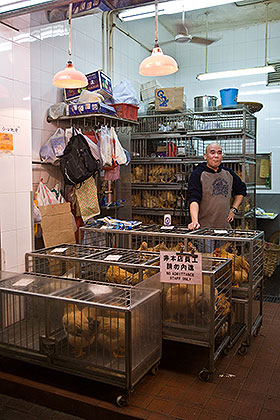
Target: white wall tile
[24, 244]
[7, 178]
[6, 99]
[8, 211]
[23, 174]
[22, 141]
[21, 100]
[22, 70]
[9, 247]
[23, 211]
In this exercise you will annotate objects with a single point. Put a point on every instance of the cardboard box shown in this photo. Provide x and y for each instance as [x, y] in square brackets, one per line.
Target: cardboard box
[169, 99]
[89, 108]
[97, 81]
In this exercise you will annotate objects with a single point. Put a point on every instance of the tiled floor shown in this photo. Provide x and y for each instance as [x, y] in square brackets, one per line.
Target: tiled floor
[243, 387]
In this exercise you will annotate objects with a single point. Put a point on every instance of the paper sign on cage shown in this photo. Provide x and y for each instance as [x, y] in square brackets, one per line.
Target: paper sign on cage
[183, 268]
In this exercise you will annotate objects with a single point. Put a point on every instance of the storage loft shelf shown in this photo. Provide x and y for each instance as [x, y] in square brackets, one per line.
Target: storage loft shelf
[156, 186]
[92, 120]
[157, 211]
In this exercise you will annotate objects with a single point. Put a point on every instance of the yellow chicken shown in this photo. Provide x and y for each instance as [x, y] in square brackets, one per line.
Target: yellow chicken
[240, 267]
[118, 275]
[80, 326]
[111, 336]
[222, 305]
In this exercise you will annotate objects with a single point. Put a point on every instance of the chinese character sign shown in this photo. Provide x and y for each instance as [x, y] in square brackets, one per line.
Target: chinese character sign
[180, 268]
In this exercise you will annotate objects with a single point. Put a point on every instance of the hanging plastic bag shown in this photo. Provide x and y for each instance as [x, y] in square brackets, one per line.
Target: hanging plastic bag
[113, 174]
[124, 92]
[118, 152]
[106, 144]
[53, 148]
[45, 196]
[56, 190]
[36, 214]
[94, 147]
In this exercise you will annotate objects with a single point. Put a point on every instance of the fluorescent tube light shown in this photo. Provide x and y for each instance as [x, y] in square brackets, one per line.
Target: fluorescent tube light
[14, 5]
[263, 82]
[169, 8]
[235, 73]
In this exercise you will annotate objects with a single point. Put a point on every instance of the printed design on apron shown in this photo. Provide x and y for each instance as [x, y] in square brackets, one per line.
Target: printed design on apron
[220, 187]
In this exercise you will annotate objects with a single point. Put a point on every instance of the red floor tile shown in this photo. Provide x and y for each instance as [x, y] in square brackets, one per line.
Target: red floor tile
[269, 415]
[172, 393]
[220, 405]
[161, 406]
[198, 398]
[212, 415]
[272, 403]
[186, 413]
[225, 390]
[247, 412]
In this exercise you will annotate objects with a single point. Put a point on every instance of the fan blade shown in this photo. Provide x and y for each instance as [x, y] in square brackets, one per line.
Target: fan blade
[202, 41]
[166, 42]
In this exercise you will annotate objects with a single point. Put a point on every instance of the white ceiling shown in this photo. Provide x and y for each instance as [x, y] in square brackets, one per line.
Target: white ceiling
[222, 17]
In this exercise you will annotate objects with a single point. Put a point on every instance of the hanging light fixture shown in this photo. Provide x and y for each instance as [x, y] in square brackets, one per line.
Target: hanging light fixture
[70, 78]
[158, 64]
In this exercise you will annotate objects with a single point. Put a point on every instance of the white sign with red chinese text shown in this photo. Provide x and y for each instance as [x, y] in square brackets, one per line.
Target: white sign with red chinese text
[180, 268]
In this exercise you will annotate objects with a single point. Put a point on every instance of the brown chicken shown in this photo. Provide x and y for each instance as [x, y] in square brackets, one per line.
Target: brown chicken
[80, 326]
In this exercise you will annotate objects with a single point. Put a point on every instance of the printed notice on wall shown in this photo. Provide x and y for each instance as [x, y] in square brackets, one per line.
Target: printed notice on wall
[6, 142]
[180, 268]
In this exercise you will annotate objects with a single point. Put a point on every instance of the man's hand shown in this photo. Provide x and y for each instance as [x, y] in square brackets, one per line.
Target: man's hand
[193, 225]
[230, 217]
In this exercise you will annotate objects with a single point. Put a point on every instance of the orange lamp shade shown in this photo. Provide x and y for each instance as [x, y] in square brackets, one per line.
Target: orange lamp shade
[70, 78]
[158, 64]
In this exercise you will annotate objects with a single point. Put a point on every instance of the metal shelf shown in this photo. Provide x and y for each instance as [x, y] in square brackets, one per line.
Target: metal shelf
[92, 120]
[157, 211]
[157, 186]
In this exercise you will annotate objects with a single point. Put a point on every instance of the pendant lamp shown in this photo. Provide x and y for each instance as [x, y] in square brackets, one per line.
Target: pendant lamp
[70, 78]
[158, 64]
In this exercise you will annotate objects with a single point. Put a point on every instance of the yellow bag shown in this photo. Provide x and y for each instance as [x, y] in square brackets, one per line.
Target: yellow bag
[87, 199]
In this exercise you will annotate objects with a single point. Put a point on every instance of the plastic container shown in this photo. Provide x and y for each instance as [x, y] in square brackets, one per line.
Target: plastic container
[229, 97]
[127, 111]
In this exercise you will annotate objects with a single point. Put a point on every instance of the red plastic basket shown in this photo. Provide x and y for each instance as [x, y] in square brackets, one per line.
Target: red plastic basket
[127, 111]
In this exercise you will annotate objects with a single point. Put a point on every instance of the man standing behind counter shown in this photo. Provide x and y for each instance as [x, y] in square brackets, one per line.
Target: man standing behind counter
[211, 186]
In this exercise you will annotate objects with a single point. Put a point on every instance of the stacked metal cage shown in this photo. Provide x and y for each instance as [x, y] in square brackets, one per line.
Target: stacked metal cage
[163, 142]
[205, 323]
[245, 248]
[112, 265]
[108, 333]
[200, 314]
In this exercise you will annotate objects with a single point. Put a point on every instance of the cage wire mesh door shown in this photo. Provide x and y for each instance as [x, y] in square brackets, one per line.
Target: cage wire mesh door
[108, 333]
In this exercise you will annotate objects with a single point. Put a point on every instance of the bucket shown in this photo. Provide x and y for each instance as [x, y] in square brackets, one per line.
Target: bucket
[205, 103]
[229, 97]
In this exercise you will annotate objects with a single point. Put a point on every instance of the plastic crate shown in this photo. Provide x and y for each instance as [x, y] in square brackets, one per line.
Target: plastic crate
[127, 111]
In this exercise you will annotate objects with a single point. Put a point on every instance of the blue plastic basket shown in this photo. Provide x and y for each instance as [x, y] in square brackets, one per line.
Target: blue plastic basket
[229, 97]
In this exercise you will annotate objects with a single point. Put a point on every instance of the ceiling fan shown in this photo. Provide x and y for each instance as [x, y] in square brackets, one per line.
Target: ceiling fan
[183, 35]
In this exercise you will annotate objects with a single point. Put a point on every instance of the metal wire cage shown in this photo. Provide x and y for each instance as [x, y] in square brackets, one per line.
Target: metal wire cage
[112, 265]
[200, 314]
[239, 121]
[109, 333]
[157, 122]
